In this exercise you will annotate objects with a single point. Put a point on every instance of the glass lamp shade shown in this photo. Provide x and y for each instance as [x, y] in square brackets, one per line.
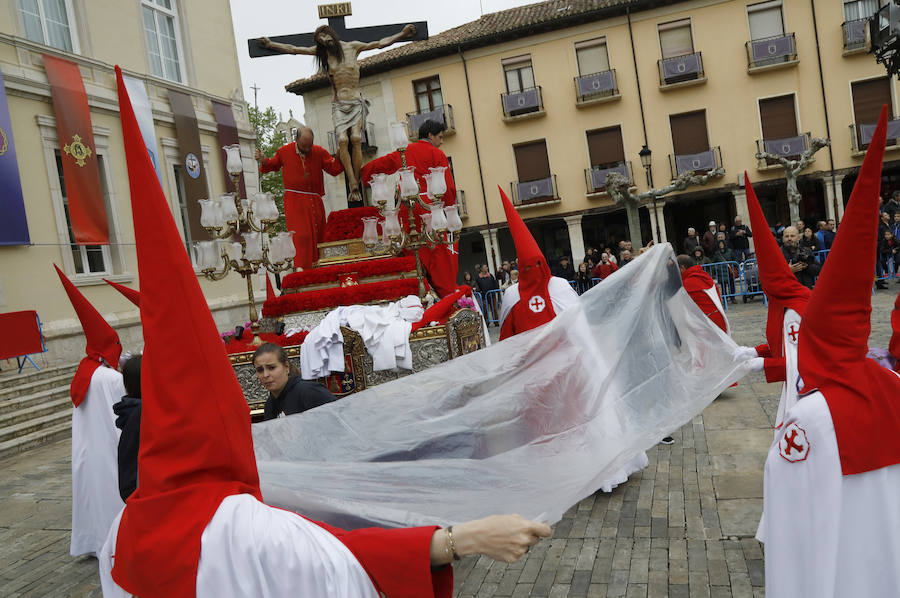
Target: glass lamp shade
[370, 231]
[237, 252]
[426, 218]
[437, 184]
[284, 245]
[264, 206]
[398, 135]
[438, 219]
[233, 163]
[208, 254]
[409, 186]
[391, 223]
[382, 189]
[228, 207]
[253, 250]
[208, 210]
[276, 249]
[454, 222]
[289, 250]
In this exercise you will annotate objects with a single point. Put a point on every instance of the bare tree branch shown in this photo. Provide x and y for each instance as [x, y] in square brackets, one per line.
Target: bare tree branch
[619, 187]
[792, 169]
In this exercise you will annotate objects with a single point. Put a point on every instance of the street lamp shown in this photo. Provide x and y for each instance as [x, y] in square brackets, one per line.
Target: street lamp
[645, 155]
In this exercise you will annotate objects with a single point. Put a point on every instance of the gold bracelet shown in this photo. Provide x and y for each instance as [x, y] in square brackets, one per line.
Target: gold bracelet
[451, 545]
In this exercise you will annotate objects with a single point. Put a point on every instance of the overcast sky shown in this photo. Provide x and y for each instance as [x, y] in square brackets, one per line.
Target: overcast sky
[256, 18]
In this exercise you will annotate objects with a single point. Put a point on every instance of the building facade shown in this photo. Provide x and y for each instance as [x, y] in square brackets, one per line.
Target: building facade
[170, 46]
[545, 100]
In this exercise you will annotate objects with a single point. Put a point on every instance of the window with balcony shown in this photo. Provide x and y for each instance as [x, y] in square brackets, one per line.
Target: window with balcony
[161, 31]
[88, 259]
[429, 106]
[679, 63]
[595, 79]
[535, 183]
[49, 22]
[769, 44]
[868, 98]
[778, 121]
[690, 143]
[853, 29]
[607, 154]
[522, 95]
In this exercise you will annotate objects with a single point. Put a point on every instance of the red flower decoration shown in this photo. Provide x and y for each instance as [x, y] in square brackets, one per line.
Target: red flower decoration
[389, 265]
[347, 224]
[244, 344]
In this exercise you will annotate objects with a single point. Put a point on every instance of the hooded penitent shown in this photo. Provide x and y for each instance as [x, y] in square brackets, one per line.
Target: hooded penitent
[130, 294]
[534, 306]
[102, 341]
[861, 395]
[190, 458]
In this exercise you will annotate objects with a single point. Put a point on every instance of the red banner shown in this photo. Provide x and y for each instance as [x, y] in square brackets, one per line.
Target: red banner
[87, 211]
[20, 334]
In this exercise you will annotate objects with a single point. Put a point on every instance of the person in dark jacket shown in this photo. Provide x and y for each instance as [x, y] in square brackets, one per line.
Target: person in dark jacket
[128, 419]
[288, 392]
[740, 239]
[565, 269]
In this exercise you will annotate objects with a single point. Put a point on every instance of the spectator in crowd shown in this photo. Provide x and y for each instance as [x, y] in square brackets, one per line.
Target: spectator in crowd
[884, 224]
[611, 254]
[591, 264]
[892, 207]
[605, 267]
[721, 236]
[564, 269]
[708, 242]
[888, 246]
[503, 272]
[802, 260]
[582, 278]
[512, 279]
[699, 256]
[820, 233]
[626, 258]
[469, 280]
[476, 270]
[828, 234]
[723, 253]
[723, 229]
[778, 230]
[690, 241]
[628, 247]
[809, 239]
[895, 225]
[740, 239]
[486, 281]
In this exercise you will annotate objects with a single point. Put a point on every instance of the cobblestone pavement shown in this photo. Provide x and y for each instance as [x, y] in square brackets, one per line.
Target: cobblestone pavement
[683, 527]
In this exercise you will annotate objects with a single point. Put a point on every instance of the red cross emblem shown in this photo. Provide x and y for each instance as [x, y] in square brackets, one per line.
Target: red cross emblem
[537, 304]
[794, 446]
[793, 333]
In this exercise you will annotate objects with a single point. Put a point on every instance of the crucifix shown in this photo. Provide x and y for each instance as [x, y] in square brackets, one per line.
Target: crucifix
[336, 49]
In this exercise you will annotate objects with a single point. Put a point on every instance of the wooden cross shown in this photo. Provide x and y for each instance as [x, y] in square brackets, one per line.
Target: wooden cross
[360, 34]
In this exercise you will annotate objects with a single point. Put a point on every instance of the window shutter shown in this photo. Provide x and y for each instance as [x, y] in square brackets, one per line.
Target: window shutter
[605, 146]
[765, 21]
[868, 98]
[778, 117]
[592, 59]
[689, 133]
[675, 39]
[532, 163]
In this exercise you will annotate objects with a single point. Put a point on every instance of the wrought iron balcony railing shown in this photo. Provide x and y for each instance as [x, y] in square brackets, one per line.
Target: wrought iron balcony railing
[699, 163]
[679, 69]
[531, 192]
[595, 176]
[442, 114]
[596, 86]
[771, 51]
[522, 102]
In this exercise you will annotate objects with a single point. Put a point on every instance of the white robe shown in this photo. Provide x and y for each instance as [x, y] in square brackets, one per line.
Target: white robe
[562, 296]
[827, 535]
[251, 549]
[95, 470]
[789, 391]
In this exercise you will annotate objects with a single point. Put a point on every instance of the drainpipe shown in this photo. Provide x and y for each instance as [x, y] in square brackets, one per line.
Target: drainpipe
[812, 6]
[477, 152]
[637, 76]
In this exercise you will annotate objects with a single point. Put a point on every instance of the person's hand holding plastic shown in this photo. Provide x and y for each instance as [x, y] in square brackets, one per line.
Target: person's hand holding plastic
[504, 538]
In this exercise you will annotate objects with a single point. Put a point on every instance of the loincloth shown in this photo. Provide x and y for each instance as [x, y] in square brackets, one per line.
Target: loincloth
[347, 113]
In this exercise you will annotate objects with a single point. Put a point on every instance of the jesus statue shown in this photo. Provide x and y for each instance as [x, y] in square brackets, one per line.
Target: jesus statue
[338, 60]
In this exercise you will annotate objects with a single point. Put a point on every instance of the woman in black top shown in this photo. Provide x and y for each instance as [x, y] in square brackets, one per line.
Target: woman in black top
[288, 392]
[128, 419]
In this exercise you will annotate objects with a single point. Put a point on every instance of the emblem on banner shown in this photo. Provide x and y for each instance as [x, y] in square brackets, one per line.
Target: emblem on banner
[79, 151]
[794, 445]
[193, 165]
[4, 141]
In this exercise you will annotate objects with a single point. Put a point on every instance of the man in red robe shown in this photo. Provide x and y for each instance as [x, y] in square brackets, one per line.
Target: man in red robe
[301, 164]
[702, 289]
[441, 262]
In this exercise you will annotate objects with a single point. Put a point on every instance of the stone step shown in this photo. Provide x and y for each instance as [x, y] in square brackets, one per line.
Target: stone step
[42, 396]
[35, 424]
[47, 434]
[36, 406]
[10, 379]
[30, 388]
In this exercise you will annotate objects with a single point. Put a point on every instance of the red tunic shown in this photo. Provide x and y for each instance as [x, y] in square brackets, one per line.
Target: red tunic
[696, 281]
[602, 270]
[304, 186]
[442, 262]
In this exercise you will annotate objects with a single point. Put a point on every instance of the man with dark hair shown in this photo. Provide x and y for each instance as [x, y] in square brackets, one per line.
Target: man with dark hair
[442, 261]
[338, 60]
[802, 260]
[128, 419]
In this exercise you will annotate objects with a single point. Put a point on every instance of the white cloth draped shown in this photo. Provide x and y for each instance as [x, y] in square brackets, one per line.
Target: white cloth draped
[827, 535]
[95, 470]
[252, 549]
[790, 335]
[384, 331]
[530, 425]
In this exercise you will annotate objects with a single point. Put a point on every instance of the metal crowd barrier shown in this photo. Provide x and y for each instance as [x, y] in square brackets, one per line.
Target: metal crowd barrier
[491, 306]
[727, 276]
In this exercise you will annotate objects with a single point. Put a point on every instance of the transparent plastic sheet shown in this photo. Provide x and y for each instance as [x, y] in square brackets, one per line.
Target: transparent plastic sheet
[530, 425]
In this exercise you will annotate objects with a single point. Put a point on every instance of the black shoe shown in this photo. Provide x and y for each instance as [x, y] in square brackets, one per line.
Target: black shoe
[667, 440]
[880, 285]
[733, 300]
[745, 298]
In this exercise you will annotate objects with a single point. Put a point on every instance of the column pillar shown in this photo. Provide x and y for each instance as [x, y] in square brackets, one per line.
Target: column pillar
[490, 236]
[657, 219]
[832, 193]
[740, 208]
[576, 238]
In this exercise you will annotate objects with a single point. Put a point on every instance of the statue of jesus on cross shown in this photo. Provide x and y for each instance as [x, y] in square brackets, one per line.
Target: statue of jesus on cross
[338, 60]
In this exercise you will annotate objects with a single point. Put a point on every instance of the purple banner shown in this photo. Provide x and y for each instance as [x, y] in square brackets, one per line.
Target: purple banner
[696, 162]
[522, 101]
[417, 120]
[13, 225]
[772, 48]
[534, 189]
[596, 83]
[789, 146]
[866, 131]
[681, 66]
[598, 175]
[856, 31]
